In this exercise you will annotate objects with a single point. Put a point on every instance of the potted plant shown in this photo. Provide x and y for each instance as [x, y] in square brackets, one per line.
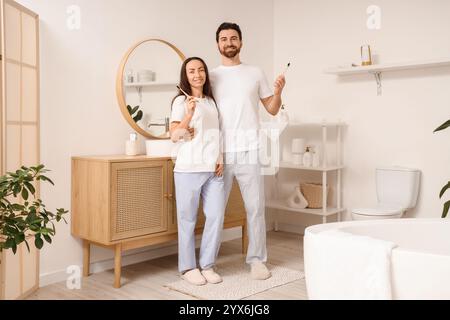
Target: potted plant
[447, 186]
[24, 216]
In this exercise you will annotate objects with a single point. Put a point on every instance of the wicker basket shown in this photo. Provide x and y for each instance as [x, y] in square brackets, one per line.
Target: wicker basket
[313, 194]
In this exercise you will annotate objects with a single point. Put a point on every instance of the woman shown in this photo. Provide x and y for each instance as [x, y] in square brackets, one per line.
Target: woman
[198, 172]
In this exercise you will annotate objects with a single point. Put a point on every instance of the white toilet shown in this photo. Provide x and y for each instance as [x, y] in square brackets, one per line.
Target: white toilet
[397, 190]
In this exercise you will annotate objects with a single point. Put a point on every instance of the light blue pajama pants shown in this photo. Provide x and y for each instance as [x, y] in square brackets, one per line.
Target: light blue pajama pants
[247, 170]
[188, 189]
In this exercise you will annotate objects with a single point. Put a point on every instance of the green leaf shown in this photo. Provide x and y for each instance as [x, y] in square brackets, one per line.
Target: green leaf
[10, 229]
[9, 243]
[38, 242]
[134, 109]
[443, 126]
[30, 187]
[28, 246]
[25, 194]
[446, 208]
[47, 238]
[19, 238]
[16, 189]
[44, 178]
[139, 116]
[447, 186]
[17, 207]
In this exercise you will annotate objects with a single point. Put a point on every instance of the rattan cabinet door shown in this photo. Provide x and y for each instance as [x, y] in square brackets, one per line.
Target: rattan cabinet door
[139, 199]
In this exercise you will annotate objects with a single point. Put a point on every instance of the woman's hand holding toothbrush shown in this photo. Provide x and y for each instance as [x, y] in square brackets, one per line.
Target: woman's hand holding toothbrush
[190, 103]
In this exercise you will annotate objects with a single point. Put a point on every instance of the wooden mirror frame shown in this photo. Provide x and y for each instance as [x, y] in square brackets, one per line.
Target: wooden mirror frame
[120, 88]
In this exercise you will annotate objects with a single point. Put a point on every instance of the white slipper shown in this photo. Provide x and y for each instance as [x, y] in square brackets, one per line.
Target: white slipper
[194, 277]
[211, 276]
[259, 271]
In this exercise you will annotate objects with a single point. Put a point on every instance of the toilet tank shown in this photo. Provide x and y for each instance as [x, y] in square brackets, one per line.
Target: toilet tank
[397, 186]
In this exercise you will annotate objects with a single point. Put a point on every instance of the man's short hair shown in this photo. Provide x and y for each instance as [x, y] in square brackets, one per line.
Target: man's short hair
[228, 26]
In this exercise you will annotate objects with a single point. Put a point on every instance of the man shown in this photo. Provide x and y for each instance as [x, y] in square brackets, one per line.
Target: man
[238, 88]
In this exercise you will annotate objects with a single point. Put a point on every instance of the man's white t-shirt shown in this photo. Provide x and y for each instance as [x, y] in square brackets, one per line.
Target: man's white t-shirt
[202, 152]
[237, 91]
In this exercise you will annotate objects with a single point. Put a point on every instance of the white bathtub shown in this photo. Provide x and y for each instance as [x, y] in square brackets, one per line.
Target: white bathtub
[420, 264]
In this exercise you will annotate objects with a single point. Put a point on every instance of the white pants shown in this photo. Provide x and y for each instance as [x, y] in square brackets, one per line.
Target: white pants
[247, 170]
[188, 189]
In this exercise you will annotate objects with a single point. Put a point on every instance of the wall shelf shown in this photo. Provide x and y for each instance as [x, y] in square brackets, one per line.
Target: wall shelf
[281, 126]
[290, 165]
[377, 69]
[151, 84]
[140, 85]
[316, 124]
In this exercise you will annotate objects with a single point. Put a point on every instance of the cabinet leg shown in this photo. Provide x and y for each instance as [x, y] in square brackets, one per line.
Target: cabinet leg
[324, 219]
[244, 238]
[86, 257]
[117, 265]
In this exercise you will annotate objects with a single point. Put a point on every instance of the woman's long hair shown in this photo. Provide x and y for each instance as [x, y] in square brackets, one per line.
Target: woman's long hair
[184, 82]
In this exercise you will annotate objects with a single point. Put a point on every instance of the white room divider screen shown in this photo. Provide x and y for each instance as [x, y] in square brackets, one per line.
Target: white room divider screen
[19, 273]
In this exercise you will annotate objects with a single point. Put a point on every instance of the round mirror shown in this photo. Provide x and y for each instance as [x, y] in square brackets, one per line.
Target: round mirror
[146, 84]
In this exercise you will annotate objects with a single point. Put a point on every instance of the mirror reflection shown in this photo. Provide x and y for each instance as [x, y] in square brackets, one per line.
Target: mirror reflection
[150, 77]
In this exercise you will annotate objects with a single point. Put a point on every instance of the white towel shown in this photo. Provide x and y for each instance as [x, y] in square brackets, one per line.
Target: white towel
[344, 266]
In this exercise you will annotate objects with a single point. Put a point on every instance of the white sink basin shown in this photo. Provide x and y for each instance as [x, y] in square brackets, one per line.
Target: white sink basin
[159, 148]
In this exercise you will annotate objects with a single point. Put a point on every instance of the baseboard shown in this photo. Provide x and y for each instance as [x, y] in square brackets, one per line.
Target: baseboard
[46, 279]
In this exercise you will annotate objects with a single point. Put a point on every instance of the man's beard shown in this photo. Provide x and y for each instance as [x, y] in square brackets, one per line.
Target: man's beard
[230, 53]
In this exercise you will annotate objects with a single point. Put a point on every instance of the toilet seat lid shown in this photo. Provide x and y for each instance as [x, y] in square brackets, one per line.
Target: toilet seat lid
[379, 211]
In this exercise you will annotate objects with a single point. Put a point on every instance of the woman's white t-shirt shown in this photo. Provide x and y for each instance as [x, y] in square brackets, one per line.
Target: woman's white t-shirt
[202, 152]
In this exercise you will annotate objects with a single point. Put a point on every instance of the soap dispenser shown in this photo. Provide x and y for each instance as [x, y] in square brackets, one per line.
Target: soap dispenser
[131, 148]
[307, 158]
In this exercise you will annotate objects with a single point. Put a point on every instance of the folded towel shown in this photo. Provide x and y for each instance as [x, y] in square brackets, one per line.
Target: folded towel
[341, 265]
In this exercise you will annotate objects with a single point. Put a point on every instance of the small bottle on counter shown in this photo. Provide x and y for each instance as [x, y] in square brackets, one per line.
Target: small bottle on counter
[131, 146]
[307, 158]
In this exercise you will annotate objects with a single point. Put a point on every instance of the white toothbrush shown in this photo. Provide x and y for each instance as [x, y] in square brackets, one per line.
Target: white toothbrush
[287, 67]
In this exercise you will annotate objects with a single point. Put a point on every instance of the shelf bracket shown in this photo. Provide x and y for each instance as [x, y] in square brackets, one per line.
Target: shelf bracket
[139, 91]
[377, 76]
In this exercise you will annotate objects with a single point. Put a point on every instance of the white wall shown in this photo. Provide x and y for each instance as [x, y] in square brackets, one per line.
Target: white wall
[79, 111]
[395, 128]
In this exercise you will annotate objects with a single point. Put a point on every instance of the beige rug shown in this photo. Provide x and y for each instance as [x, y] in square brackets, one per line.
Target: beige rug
[237, 283]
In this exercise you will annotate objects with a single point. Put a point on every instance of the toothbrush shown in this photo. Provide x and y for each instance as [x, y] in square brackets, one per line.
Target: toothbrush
[284, 72]
[287, 67]
[185, 93]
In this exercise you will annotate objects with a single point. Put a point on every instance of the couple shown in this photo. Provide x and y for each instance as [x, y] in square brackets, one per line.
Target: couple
[229, 102]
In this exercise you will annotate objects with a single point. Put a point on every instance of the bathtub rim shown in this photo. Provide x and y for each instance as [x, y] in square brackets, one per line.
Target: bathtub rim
[354, 223]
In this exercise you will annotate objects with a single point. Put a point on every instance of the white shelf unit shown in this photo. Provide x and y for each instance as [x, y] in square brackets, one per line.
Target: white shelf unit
[377, 69]
[278, 204]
